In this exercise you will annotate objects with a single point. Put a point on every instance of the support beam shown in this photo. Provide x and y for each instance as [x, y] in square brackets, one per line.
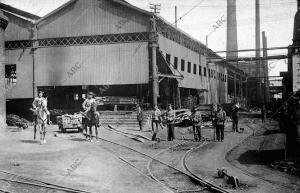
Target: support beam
[153, 46]
[3, 25]
[234, 80]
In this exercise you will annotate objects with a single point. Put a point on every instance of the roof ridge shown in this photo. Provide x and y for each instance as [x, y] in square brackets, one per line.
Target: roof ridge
[19, 12]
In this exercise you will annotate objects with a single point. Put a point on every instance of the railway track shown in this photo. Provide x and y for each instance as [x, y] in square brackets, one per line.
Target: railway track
[167, 174]
[253, 133]
[14, 183]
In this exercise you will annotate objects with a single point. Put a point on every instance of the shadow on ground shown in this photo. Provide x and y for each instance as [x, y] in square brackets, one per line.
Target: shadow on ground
[28, 141]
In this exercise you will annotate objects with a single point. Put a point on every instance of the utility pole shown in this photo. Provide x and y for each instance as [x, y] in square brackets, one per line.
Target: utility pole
[175, 16]
[155, 8]
[153, 45]
[3, 25]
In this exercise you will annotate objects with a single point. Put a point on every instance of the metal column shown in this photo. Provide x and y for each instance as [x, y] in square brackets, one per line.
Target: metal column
[3, 25]
[153, 46]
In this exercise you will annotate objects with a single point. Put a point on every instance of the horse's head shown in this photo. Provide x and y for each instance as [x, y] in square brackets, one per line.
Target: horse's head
[44, 103]
[94, 107]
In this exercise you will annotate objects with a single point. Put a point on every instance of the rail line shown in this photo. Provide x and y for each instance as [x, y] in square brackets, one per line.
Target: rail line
[33, 183]
[248, 173]
[163, 173]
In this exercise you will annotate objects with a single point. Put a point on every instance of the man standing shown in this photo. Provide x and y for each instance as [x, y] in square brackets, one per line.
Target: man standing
[155, 121]
[140, 116]
[170, 116]
[220, 123]
[235, 118]
[196, 120]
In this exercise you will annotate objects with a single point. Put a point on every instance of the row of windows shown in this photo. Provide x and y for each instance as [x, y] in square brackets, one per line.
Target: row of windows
[211, 73]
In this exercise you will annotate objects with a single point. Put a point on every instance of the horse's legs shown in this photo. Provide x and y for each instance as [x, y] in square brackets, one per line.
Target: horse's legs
[44, 132]
[41, 133]
[96, 131]
[91, 131]
[34, 131]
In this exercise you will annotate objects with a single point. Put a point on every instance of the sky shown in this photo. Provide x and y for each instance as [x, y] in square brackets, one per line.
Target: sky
[197, 18]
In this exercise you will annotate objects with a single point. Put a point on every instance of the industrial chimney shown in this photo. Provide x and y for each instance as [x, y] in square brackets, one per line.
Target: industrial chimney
[296, 35]
[232, 44]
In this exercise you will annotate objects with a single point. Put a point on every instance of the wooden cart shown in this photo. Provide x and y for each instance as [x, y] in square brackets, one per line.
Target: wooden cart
[69, 122]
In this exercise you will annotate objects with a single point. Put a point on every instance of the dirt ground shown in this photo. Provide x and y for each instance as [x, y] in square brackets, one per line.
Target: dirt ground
[98, 170]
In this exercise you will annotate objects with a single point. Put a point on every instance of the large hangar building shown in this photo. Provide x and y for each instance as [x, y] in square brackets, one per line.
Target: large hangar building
[114, 49]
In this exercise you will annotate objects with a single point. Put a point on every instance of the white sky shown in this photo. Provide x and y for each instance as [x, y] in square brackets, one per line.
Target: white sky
[277, 17]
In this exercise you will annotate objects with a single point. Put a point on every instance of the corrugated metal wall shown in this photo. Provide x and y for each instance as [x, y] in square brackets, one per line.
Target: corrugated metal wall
[92, 17]
[17, 29]
[93, 65]
[23, 61]
[190, 80]
[217, 90]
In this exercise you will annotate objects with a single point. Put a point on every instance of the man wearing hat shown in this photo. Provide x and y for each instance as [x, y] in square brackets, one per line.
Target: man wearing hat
[170, 116]
[196, 120]
[86, 105]
[37, 104]
[235, 118]
[220, 118]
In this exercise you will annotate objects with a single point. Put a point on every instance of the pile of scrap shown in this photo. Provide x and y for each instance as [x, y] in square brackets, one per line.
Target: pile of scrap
[289, 167]
[15, 120]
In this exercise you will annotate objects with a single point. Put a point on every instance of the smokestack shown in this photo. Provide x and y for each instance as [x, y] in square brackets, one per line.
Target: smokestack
[296, 35]
[257, 30]
[257, 46]
[232, 43]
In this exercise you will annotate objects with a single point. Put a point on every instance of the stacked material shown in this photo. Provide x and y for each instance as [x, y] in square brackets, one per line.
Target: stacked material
[287, 166]
[15, 120]
[69, 122]
[56, 112]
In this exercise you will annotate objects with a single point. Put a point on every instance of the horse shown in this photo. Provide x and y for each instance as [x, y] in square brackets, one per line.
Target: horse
[92, 118]
[41, 119]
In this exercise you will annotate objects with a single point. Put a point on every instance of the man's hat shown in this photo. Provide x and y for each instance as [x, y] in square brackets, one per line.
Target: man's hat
[91, 93]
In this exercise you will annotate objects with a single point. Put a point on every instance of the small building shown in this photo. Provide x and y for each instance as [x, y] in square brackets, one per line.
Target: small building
[113, 49]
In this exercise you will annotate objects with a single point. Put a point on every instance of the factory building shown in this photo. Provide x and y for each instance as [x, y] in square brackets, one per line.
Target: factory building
[113, 49]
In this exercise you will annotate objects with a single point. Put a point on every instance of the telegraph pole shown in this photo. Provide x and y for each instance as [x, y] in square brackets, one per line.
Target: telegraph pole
[155, 8]
[175, 16]
[153, 46]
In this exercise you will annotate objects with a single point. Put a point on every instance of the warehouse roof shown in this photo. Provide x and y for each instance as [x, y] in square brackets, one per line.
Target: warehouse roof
[19, 13]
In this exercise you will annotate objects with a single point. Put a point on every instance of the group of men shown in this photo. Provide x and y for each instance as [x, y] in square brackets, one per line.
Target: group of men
[157, 118]
[218, 118]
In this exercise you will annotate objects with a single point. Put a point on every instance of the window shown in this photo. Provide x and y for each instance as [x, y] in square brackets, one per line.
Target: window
[195, 69]
[214, 74]
[225, 79]
[200, 70]
[204, 71]
[189, 67]
[168, 58]
[175, 62]
[208, 72]
[182, 65]
[11, 74]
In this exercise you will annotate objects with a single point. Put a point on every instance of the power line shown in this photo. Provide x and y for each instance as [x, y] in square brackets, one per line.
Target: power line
[189, 11]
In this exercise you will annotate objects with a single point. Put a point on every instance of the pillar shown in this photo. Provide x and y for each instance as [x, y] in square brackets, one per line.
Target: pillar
[153, 46]
[3, 25]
